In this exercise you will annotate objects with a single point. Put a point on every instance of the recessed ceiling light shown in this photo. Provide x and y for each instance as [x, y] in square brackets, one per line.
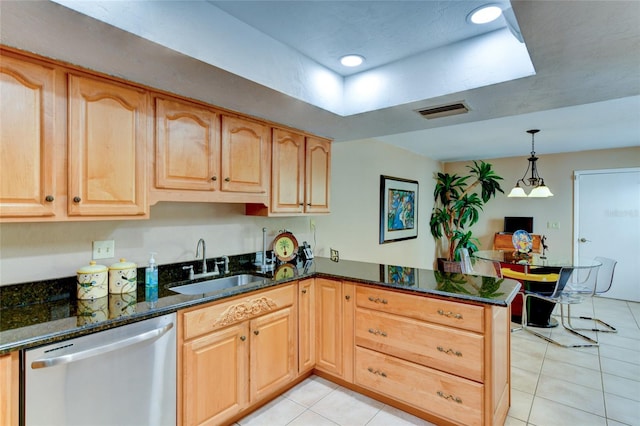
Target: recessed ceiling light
[351, 60]
[485, 14]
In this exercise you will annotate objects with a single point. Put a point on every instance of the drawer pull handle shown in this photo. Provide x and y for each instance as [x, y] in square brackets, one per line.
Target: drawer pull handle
[378, 372]
[451, 397]
[449, 314]
[378, 300]
[377, 332]
[449, 351]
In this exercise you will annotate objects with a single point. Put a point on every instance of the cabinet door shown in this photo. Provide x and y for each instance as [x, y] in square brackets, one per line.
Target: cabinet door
[306, 325]
[287, 173]
[107, 146]
[215, 379]
[9, 378]
[329, 322]
[246, 156]
[187, 146]
[274, 352]
[27, 163]
[317, 175]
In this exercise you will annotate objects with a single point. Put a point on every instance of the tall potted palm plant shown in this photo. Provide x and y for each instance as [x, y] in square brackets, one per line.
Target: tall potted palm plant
[458, 205]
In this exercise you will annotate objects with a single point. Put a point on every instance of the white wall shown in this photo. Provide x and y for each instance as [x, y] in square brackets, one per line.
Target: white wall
[36, 251]
[557, 171]
[353, 227]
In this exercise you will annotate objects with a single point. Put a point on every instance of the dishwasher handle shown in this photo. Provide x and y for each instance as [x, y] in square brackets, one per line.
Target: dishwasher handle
[99, 350]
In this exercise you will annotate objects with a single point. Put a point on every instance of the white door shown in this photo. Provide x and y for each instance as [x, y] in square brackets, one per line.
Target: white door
[607, 224]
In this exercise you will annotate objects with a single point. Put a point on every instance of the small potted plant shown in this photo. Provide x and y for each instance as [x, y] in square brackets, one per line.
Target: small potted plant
[457, 207]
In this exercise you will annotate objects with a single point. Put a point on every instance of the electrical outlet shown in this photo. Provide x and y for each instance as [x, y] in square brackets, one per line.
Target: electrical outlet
[335, 255]
[312, 225]
[103, 249]
[553, 225]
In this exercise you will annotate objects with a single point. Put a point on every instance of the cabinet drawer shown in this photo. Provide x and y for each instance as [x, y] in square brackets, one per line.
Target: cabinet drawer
[453, 398]
[455, 314]
[450, 350]
[203, 320]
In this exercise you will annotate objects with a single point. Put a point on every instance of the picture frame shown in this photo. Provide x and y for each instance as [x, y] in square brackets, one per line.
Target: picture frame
[399, 275]
[398, 209]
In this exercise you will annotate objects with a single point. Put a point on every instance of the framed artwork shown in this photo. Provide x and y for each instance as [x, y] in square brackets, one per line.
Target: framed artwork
[398, 209]
[399, 275]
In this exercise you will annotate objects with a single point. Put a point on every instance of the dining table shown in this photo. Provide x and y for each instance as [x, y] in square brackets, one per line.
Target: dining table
[539, 273]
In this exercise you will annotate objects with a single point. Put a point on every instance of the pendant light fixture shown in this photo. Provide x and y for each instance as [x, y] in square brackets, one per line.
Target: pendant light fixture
[540, 190]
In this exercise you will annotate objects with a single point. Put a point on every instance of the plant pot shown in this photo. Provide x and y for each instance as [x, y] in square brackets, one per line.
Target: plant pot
[445, 265]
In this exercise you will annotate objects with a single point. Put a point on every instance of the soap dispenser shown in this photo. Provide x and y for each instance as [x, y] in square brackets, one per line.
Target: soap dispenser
[151, 280]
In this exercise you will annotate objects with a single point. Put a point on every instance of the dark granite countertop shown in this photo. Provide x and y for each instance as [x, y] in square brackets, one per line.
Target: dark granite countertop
[34, 314]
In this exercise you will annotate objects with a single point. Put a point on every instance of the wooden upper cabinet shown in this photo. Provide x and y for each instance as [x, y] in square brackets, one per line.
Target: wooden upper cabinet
[27, 163]
[187, 146]
[108, 132]
[287, 175]
[245, 155]
[300, 175]
[317, 175]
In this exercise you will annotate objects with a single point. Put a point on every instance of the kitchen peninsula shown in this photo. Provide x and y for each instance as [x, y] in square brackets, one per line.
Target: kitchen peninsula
[433, 344]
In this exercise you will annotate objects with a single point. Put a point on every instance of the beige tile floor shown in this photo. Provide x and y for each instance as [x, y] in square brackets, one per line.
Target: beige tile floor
[551, 385]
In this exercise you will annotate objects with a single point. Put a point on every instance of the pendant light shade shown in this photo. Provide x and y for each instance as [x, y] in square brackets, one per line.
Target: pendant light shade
[539, 189]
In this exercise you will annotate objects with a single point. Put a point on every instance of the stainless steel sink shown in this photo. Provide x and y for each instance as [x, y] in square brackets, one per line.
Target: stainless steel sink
[217, 284]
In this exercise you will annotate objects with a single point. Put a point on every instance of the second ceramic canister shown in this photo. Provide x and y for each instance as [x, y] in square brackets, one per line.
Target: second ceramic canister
[123, 277]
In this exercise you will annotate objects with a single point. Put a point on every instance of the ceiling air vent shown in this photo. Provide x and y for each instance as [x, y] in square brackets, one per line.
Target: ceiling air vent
[444, 110]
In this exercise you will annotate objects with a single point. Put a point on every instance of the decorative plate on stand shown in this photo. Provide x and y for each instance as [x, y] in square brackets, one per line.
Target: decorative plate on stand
[522, 241]
[285, 246]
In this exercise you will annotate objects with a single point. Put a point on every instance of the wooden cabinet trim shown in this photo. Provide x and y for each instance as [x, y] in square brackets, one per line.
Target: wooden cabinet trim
[200, 320]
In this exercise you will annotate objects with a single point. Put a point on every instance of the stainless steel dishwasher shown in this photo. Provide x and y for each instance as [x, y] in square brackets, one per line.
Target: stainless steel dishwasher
[121, 376]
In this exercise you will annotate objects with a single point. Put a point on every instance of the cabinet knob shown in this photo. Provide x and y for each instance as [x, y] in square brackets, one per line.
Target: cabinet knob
[347, 297]
[256, 332]
[77, 199]
[48, 198]
[301, 204]
[227, 179]
[304, 291]
[243, 338]
[215, 178]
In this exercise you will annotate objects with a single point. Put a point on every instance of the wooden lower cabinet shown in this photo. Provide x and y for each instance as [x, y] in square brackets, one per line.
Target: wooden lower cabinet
[334, 327]
[306, 325]
[448, 360]
[215, 376]
[445, 395]
[443, 360]
[9, 377]
[235, 353]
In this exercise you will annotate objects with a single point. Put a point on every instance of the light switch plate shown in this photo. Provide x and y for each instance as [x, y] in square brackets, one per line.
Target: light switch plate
[103, 249]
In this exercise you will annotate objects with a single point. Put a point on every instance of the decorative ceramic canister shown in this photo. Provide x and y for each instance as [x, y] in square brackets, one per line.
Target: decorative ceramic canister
[122, 305]
[123, 277]
[91, 311]
[92, 281]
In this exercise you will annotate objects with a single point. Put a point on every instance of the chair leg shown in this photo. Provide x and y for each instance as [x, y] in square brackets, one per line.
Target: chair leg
[608, 329]
[570, 329]
[549, 339]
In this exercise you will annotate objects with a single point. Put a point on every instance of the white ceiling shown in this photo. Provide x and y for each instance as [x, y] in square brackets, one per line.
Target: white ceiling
[262, 57]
